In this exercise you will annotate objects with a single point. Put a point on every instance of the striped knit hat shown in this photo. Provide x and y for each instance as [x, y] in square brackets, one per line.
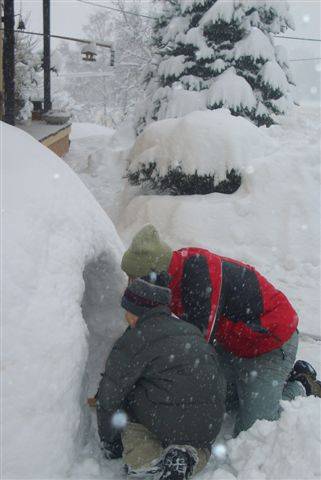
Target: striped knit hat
[143, 294]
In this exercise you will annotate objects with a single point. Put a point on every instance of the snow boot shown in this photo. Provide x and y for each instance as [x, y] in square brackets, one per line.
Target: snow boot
[179, 463]
[304, 373]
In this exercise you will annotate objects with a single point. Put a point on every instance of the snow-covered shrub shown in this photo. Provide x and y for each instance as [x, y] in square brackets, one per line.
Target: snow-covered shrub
[60, 305]
[223, 51]
[202, 152]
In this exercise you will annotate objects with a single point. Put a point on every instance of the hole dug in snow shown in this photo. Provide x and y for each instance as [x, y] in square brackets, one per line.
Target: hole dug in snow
[104, 318]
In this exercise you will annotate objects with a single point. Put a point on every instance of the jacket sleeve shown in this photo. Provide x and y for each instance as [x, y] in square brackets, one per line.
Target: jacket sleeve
[196, 291]
[123, 369]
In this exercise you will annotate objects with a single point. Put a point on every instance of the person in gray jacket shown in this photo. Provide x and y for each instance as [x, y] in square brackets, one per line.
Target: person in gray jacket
[160, 402]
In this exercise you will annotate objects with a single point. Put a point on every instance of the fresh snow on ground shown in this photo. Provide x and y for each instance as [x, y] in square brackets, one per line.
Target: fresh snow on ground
[85, 129]
[98, 155]
[55, 234]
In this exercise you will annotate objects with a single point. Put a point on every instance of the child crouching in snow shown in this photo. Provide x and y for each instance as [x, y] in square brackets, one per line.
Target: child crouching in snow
[165, 378]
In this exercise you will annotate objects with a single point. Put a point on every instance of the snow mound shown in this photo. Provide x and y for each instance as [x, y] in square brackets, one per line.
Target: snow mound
[289, 448]
[206, 141]
[61, 307]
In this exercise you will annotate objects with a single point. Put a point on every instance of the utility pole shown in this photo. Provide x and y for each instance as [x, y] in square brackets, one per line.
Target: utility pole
[8, 62]
[46, 55]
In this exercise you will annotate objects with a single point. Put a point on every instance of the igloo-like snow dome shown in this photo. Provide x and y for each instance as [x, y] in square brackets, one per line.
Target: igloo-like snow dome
[62, 290]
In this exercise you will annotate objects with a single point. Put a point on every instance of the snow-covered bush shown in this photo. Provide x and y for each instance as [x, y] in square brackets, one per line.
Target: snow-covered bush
[202, 152]
[223, 51]
[61, 307]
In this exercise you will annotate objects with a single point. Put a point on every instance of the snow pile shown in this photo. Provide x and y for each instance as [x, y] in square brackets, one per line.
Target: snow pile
[272, 221]
[206, 142]
[62, 257]
[289, 448]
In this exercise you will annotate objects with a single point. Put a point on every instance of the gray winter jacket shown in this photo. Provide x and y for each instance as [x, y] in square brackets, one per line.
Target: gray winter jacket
[166, 377]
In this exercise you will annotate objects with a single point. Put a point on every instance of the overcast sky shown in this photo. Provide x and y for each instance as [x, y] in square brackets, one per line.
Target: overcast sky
[68, 17]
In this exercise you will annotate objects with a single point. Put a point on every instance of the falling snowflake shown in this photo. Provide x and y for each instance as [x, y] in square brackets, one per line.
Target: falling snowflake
[219, 451]
[119, 420]
[196, 363]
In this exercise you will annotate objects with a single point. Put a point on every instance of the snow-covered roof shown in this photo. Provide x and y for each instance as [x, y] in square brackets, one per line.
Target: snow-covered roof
[41, 130]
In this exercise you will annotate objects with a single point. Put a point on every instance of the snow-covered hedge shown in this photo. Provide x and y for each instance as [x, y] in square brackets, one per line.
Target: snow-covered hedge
[61, 307]
[203, 152]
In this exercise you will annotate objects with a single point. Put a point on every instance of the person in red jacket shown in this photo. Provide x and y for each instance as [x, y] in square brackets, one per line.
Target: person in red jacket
[252, 325]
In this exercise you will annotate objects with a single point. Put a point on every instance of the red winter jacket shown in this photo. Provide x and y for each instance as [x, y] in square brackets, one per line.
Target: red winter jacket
[230, 302]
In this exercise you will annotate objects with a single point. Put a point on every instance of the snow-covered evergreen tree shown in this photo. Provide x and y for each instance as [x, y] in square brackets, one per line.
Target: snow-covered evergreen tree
[222, 54]
[27, 74]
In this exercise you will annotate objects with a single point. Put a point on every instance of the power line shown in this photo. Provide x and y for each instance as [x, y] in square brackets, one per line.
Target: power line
[106, 44]
[300, 38]
[87, 2]
[116, 9]
[304, 59]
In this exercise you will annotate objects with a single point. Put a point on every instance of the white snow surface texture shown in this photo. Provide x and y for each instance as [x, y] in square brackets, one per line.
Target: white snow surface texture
[54, 233]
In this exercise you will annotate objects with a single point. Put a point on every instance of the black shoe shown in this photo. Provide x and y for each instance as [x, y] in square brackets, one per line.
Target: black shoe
[178, 464]
[304, 373]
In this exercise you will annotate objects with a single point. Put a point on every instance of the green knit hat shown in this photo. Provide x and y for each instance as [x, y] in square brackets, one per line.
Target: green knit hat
[146, 253]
